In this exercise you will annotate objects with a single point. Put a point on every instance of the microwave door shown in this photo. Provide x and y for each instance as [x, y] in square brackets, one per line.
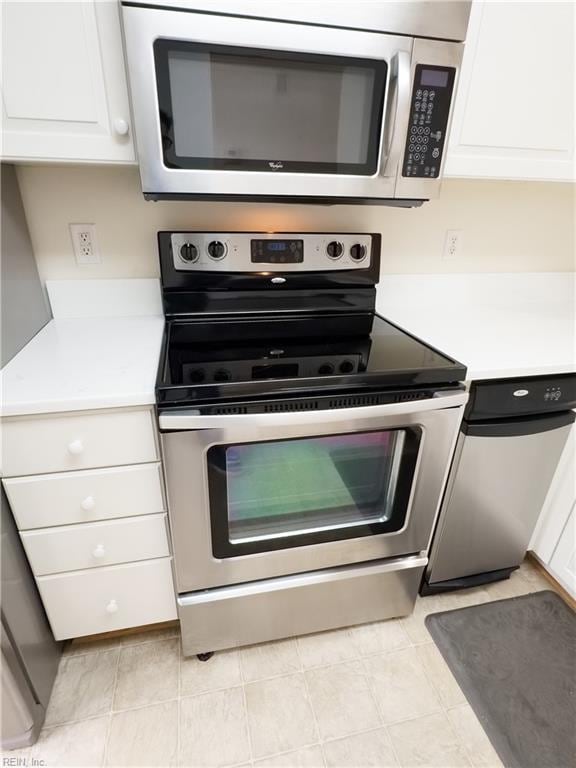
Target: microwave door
[229, 107]
[233, 108]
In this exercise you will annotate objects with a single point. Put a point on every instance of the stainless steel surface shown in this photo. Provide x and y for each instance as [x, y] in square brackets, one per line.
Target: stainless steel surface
[19, 725]
[298, 604]
[398, 109]
[423, 18]
[438, 54]
[23, 303]
[142, 25]
[188, 496]
[30, 655]
[191, 419]
[496, 490]
[237, 255]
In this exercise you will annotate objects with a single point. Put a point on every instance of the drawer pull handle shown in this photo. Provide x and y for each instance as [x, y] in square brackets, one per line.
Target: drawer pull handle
[75, 447]
[112, 607]
[99, 551]
[88, 504]
[121, 126]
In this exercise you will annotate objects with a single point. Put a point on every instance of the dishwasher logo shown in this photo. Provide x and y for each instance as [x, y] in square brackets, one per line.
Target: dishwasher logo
[521, 393]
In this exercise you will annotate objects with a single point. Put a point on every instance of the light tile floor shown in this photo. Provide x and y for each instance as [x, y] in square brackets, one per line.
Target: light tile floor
[375, 695]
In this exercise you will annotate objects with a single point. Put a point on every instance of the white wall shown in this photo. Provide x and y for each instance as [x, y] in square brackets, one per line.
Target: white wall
[507, 226]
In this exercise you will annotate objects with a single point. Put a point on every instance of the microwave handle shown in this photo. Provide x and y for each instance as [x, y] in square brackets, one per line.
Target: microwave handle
[191, 419]
[400, 85]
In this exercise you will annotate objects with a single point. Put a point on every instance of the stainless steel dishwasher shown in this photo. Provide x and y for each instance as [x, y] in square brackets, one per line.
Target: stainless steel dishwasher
[510, 442]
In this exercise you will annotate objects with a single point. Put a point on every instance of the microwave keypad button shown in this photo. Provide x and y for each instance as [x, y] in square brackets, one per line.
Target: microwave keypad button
[216, 250]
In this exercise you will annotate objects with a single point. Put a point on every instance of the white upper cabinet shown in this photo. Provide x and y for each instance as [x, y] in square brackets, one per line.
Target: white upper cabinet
[64, 87]
[514, 112]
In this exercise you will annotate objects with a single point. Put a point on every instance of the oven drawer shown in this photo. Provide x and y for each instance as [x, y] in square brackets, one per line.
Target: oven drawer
[55, 443]
[295, 605]
[105, 599]
[90, 545]
[86, 496]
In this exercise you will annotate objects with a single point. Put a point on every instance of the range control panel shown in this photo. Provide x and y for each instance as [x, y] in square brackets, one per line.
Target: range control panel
[429, 111]
[272, 252]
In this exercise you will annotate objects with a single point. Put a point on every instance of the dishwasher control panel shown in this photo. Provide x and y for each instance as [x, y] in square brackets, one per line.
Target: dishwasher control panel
[507, 398]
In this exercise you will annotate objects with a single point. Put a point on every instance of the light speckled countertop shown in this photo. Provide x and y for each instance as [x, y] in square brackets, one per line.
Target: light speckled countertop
[498, 325]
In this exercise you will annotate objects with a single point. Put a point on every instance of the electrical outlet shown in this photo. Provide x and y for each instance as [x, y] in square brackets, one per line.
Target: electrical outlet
[452, 244]
[84, 243]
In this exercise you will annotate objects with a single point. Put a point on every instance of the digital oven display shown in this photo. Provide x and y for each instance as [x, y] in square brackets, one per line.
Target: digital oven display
[277, 251]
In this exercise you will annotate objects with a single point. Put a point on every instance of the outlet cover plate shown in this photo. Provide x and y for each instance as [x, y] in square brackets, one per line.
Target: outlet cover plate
[84, 243]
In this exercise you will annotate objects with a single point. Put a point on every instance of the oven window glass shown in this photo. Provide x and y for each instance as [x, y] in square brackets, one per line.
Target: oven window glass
[288, 493]
[244, 109]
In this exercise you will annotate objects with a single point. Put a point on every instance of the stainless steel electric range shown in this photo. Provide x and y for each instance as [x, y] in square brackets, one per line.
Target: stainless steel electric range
[306, 440]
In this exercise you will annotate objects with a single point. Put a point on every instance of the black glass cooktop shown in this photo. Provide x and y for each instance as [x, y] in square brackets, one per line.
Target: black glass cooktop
[228, 359]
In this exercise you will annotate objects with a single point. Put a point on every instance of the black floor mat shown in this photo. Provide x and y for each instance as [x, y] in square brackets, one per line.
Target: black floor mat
[515, 661]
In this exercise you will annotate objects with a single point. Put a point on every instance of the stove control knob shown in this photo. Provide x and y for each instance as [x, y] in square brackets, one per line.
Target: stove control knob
[197, 376]
[334, 249]
[357, 252]
[216, 250]
[189, 252]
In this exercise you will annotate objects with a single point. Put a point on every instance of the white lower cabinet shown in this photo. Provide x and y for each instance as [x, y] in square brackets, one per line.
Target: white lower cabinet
[87, 494]
[63, 498]
[563, 562]
[554, 540]
[91, 545]
[34, 445]
[106, 599]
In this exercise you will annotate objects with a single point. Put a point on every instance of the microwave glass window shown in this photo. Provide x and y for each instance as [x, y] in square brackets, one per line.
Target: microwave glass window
[287, 492]
[241, 109]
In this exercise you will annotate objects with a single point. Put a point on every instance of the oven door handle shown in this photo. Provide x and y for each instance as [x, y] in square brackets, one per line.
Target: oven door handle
[400, 86]
[191, 418]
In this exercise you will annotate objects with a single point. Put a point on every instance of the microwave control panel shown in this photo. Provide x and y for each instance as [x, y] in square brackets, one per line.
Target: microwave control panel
[429, 111]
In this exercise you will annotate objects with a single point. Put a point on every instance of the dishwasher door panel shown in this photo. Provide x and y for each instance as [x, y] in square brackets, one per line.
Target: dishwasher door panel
[496, 490]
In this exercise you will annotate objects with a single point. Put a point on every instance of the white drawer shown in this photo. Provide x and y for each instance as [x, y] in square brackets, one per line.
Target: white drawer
[105, 599]
[34, 445]
[75, 547]
[40, 501]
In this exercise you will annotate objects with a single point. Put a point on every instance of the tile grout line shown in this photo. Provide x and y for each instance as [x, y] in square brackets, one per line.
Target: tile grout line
[310, 702]
[245, 701]
[109, 729]
[444, 708]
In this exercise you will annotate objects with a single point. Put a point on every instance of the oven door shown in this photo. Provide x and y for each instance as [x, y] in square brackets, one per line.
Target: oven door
[262, 495]
[228, 106]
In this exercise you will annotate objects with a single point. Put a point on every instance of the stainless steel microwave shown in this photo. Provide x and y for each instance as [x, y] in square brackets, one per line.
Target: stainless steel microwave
[325, 102]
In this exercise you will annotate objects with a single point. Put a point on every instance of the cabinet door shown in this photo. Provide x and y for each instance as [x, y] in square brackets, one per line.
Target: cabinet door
[64, 87]
[559, 503]
[514, 113]
[563, 563]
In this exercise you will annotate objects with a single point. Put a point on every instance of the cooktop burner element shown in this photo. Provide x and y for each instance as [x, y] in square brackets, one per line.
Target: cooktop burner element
[267, 331]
